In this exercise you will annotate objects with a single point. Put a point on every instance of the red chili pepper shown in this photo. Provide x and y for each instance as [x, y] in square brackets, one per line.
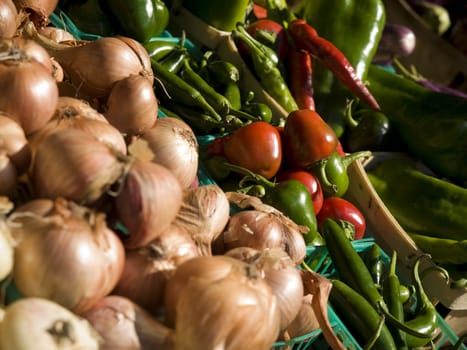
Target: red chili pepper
[300, 78]
[306, 37]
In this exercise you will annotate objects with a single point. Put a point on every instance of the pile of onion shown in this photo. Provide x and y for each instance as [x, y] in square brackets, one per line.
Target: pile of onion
[65, 253]
[218, 302]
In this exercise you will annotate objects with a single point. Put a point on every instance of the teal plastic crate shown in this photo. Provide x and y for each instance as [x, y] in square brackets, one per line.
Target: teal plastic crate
[319, 260]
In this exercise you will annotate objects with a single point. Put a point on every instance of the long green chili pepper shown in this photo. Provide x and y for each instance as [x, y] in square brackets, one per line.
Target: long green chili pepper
[267, 71]
[391, 295]
[349, 265]
[180, 91]
[173, 62]
[360, 317]
[219, 102]
[426, 316]
[223, 71]
[233, 94]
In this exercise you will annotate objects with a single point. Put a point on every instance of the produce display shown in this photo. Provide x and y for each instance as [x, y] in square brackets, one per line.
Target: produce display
[178, 176]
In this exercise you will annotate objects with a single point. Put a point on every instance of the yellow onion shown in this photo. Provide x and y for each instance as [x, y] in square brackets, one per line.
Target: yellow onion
[76, 113]
[148, 202]
[65, 253]
[29, 92]
[122, 324]
[132, 105]
[219, 302]
[38, 10]
[38, 323]
[95, 66]
[72, 163]
[204, 214]
[279, 271]
[8, 19]
[13, 139]
[148, 268]
[174, 145]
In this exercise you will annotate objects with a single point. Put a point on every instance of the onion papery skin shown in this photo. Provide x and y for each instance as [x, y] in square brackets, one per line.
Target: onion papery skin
[38, 323]
[260, 230]
[279, 271]
[132, 105]
[73, 164]
[38, 10]
[174, 145]
[305, 322]
[97, 65]
[75, 113]
[148, 202]
[122, 324]
[67, 255]
[148, 269]
[221, 304]
[56, 34]
[8, 18]
[29, 93]
[204, 213]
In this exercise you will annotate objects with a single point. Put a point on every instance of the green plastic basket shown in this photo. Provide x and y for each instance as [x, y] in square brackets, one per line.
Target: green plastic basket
[319, 260]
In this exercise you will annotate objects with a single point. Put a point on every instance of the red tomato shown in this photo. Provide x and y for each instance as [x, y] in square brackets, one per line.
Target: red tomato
[260, 11]
[309, 180]
[307, 139]
[337, 209]
[256, 146]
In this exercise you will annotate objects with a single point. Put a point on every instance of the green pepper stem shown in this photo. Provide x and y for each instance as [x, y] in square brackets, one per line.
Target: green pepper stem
[243, 115]
[261, 180]
[349, 119]
[350, 158]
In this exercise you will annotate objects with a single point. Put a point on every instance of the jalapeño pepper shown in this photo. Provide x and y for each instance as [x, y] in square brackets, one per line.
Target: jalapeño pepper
[332, 19]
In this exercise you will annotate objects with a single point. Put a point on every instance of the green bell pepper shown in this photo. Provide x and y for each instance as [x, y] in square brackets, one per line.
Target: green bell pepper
[333, 20]
[140, 19]
[432, 125]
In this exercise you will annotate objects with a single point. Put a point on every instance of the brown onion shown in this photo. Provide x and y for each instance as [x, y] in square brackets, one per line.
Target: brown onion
[147, 269]
[174, 145]
[148, 202]
[204, 213]
[220, 303]
[8, 19]
[38, 323]
[279, 271]
[76, 113]
[122, 324]
[132, 105]
[67, 255]
[95, 66]
[38, 10]
[29, 92]
[73, 164]
[13, 139]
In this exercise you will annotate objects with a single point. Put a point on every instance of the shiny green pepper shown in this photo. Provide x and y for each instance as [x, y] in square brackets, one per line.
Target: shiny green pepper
[140, 19]
[332, 172]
